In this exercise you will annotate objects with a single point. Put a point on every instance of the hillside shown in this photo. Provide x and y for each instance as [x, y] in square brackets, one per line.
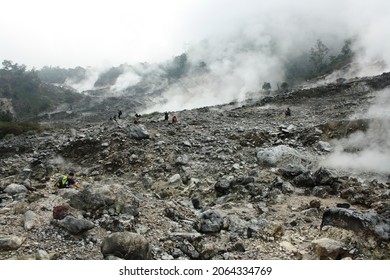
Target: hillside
[23, 96]
[233, 181]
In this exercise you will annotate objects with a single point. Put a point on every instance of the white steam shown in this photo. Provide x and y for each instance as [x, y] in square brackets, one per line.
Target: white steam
[127, 79]
[370, 151]
[228, 79]
[247, 44]
[88, 83]
[244, 52]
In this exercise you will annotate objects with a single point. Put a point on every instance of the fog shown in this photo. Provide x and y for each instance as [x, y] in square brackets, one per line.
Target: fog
[244, 43]
[370, 150]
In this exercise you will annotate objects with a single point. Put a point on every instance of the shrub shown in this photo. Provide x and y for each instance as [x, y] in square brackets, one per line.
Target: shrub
[10, 129]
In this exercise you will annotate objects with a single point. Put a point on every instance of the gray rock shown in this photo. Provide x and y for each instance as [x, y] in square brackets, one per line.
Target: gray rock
[244, 180]
[367, 223]
[223, 187]
[42, 255]
[274, 156]
[138, 132]
[10, 242]
[30, 219]
[96, 199]
[13, 189]
[182, 160]
[126, 245]
[175, 179]
[283, 186]
[326, 248]
[209, 222]
[74, 225]
[304, 180]
[324, 146]
[291, 171]
[324, 177]
[187, 144]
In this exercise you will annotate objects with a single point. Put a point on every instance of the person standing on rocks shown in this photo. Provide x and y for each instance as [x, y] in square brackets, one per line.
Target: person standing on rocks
[174, 119]
[166, 116]
[119, 114]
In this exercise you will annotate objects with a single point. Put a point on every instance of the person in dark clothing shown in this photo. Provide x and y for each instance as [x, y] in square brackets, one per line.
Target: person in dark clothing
[166, 116]
[119, 114]
[288, 112]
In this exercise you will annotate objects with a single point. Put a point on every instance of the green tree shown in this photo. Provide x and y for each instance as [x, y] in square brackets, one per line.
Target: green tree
[29, 96]
[13, 67]
[178, 67]
[346, 49]
[6, 116]
[284, 86]
[266, 86]
[318, 55]
[109, 77]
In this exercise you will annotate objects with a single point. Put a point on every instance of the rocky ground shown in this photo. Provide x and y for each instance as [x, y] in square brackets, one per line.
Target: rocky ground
[235, 181]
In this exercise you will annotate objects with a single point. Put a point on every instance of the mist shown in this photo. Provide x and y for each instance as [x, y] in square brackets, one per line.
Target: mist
[88, 83]
[370, 150]
[246, 47]
[127, 79]
[244, 44]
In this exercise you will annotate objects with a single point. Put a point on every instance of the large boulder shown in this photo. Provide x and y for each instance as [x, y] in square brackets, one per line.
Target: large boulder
[278, 156]
[363, 223]
[74, 225]
[13, 189]
[10, 242]
[96, 199]
[126, 245]
[326, 248]
[138, 132]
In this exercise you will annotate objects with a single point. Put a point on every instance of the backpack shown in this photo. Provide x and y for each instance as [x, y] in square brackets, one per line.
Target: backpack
[62, 182]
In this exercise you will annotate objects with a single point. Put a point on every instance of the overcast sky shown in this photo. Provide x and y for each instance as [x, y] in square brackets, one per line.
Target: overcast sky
[69, 33]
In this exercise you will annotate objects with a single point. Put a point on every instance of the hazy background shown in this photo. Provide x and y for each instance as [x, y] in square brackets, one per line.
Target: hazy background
[243, 43]
[102, 33]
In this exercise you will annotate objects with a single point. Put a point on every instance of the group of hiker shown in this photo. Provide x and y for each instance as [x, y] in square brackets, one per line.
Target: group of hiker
[69, 181]
[114, 118]
[166, 117]
[137, 117]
